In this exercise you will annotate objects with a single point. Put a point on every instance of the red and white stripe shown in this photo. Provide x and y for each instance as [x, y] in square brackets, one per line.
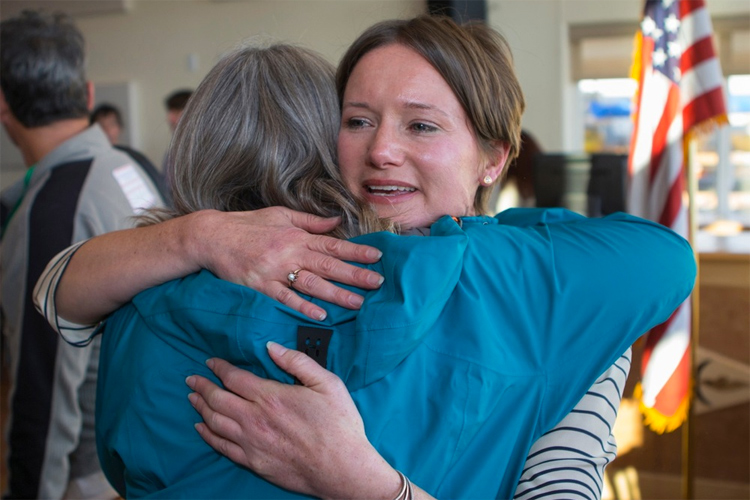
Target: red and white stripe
[666, 114]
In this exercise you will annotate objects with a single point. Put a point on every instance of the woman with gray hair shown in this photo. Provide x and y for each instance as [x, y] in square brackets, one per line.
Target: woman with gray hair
[238, 146]
[259, 131]
[466, 354]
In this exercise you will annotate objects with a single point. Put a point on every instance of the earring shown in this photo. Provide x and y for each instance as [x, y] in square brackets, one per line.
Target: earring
[487, 180]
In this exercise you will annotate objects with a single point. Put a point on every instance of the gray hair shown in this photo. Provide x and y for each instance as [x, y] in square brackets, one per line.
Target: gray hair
[42, 64]
[260, 131]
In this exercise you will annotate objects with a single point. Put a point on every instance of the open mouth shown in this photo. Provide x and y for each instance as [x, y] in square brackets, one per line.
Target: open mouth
[389, 190]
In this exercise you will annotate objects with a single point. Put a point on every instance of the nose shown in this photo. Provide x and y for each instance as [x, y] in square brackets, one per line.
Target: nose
[385, 149]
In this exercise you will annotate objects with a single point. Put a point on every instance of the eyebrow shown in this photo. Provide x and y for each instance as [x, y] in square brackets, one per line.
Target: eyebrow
[408, 105]
[356, 105]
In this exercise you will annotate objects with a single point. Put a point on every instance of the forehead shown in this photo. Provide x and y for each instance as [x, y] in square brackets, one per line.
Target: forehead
[107, 117]
[399, 67]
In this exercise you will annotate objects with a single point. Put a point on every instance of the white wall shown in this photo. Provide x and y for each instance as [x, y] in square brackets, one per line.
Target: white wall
[535, 33]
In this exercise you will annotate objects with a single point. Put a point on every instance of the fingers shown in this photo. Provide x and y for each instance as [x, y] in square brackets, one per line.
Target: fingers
[289, 298]
[218, 431]
[258, 249]
[311, 284]
[346, 250]
[219, 407]
[227, 448]
[300, 365]
[240, 382]
[279, 217]
[330, 267]
[314, 278]
[220, 424]
[312, 223]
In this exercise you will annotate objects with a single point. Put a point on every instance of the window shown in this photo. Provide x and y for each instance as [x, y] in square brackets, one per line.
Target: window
[724, 162]
[723, 156]
[607, 105]
[600, 56]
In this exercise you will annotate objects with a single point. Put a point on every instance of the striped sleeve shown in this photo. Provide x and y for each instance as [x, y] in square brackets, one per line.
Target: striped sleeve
[44, 300]
[568, 461]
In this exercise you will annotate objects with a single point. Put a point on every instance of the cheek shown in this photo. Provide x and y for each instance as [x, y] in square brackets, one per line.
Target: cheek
[459, 183]
[455, 169]
[347, 160]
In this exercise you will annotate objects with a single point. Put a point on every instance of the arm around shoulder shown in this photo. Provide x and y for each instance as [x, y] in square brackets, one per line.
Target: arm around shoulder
[256, 249]
[109, 270]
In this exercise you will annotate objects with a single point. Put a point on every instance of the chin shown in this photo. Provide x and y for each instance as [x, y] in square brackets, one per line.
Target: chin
[407, 223]
[406, 217]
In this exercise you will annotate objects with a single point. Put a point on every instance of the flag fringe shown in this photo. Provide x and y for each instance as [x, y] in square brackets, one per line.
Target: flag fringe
[702, 128]
[657, 421]
[706, 127]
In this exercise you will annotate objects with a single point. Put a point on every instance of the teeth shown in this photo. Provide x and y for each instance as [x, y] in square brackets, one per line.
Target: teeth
[386, 190]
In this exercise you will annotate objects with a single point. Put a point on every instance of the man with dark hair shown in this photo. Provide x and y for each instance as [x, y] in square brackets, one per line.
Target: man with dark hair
[109, 119]
[76, 186]
[175, 104]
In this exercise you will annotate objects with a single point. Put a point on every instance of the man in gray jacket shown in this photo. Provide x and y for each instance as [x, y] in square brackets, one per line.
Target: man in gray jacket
[76, 186]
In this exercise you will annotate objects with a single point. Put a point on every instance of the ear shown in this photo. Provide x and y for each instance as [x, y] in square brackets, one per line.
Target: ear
[3, 104]
[5, 113]
[495, 161]
[90, 90]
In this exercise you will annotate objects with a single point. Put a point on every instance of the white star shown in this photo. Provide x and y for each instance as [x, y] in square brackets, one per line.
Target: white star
[656, 34]
[672, 23]
[667, 3]
[659, 58]
[647, 25]
[674, 49]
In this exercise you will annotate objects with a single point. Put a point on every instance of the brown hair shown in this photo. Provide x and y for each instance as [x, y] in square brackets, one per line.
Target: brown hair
[260, 131]
[474, 60]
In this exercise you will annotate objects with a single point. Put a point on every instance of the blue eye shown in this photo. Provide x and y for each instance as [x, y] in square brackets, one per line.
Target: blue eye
[422, 127]
[354, 123]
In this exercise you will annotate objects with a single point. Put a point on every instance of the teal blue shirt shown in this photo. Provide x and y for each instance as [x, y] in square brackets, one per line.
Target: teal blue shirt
[483, 336]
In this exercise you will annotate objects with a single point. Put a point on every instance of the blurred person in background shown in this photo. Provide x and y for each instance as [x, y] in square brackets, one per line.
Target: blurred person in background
[109, 119]
[76, 186]
[175, 104]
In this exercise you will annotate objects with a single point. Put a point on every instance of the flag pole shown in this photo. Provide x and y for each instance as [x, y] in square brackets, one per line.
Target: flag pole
[688, 427]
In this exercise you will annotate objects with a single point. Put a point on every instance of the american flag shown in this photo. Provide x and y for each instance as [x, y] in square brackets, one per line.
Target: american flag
[679, 91]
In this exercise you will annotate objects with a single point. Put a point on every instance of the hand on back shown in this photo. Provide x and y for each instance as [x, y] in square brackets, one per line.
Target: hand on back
[259, 249]
[308, 438]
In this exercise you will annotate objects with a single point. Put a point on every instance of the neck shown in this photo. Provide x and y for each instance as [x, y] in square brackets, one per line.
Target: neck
[37, 142]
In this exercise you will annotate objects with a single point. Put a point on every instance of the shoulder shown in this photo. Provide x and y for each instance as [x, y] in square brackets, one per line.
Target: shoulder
[117, 183]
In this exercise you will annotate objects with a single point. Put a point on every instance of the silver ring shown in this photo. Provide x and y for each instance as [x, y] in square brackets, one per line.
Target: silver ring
[292, 277]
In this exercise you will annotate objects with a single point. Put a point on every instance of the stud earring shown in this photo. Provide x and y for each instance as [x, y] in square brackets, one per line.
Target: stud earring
[487, 180]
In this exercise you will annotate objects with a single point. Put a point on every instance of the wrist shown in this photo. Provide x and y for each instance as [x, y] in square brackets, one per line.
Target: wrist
[405, 493]
[193, 242]
[376, 480]
[390, 487]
